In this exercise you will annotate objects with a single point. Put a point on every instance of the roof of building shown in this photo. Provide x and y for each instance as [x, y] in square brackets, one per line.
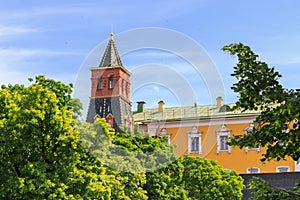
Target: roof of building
[189, 113]
[111, 56]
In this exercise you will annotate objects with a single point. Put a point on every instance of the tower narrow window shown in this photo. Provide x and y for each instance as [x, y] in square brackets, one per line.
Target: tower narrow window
[100, 85]
[123, 85]
[111, 81]
[127, 88]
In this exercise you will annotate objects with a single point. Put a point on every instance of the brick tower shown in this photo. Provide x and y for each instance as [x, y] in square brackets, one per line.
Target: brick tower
[110, 90]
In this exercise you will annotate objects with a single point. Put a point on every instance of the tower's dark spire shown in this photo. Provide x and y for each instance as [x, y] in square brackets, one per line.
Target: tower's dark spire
[111, 56]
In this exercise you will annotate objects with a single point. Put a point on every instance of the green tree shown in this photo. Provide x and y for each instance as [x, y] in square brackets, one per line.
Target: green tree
[259, 89]
[147, 165]
[41, 154]
[166, 182]
[77, 108]
[261, 190]
[128, 175]
[277, 127]
[205, 179]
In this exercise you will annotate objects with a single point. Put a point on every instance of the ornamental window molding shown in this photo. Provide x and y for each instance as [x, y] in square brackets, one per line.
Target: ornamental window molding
[164, 132]
[223, 136]
[194, 141]
[247, 130]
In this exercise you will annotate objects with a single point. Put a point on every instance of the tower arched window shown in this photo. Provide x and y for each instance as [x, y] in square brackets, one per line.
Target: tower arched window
[111, 81]
[100, 84]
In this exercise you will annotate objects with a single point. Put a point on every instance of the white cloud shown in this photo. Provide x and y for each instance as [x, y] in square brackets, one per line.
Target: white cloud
[15, 30]
[16, 65]
[15, 53]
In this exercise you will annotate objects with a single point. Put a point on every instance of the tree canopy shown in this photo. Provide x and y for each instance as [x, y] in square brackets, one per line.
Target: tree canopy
[47, 153]
[205, 179]
[167, 176]
[258, 86]
[41, 154]
[277, 126]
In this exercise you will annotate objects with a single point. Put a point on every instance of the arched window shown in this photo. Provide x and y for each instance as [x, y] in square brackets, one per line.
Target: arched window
[111, 81]
[100, 85]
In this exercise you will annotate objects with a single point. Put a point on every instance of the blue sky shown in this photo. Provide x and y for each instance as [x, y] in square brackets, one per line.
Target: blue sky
[55, 38]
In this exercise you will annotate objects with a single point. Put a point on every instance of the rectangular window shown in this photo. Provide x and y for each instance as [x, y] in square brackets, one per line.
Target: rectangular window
[194, 141]
[223, 142]
[282, 169]
[253, 170]
[195, 144]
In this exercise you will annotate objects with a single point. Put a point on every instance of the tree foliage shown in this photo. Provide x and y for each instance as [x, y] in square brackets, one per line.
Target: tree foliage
[277, 127]
[261, 190]
[167, 176]
[258, 86]
[47, 153]
[97, 138]
[41, 154]
[77, 107]
[205, 179]
[145, 163]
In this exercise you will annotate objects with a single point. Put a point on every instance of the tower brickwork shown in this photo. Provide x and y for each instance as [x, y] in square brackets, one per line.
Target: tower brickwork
[110, 90]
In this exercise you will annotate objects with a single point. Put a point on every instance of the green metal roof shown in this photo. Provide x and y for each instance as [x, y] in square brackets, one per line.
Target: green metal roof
[187, 113]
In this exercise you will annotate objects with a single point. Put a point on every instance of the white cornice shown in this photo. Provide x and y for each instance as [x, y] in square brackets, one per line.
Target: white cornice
[204, 122]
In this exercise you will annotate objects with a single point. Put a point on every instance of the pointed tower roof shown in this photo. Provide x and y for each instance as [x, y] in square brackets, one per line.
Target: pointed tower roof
[111, 56]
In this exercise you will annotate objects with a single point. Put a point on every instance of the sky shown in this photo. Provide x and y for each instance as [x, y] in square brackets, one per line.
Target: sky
[172, 48]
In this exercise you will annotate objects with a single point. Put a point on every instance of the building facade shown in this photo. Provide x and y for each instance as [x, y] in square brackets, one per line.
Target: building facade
[110, 90]
[197, 130]
[204, 131]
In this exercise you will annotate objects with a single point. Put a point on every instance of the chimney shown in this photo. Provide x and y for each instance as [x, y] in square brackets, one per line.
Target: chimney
[219, 102]
[140, 106]
[161, 105]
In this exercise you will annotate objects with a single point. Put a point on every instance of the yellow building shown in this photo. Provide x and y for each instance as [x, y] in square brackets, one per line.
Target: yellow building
[204, 130]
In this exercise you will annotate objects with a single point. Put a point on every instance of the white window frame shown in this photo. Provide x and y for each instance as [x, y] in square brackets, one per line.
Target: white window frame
[194, 133]
[247, 130]
[223, 131]
[278, 171]
[251, 168]
[164, 132]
